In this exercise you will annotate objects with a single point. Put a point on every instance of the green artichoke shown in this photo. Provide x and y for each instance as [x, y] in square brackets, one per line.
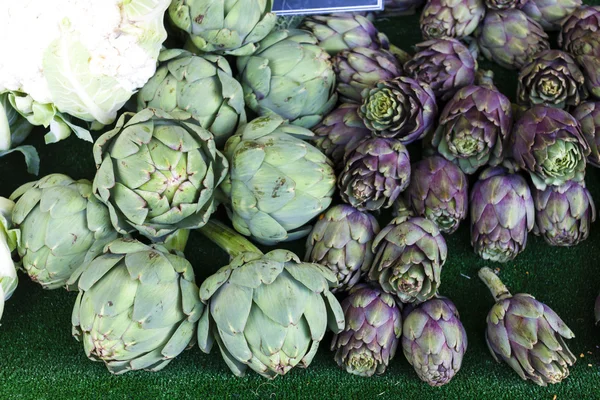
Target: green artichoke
[8, 242]
[199, 87]
[291, 76]
[157, 174]
[62, 226]
[137, 306]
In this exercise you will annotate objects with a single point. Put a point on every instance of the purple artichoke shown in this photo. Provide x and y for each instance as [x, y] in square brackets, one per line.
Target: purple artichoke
[438, 191]
[375, 174]
[409, 256]
[588, 115]
[580, 33]
[504, 4]
[590, 66]
[340, 133]
[502, 214]
[342, 240]
[548, 143]
[510, 38]
[564, 214]
[451, 18]
[361, 68]
[402, 108]
[434, 340]
[373, 329]
[526, 334]
[395, 8]
[444, 64]
[552, 79]
[550, 14]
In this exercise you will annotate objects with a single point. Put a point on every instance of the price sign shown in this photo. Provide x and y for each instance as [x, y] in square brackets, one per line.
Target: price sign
[292, 7]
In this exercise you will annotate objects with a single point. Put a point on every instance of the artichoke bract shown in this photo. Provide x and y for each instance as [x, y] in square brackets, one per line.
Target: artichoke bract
[402, 108]
[375, 174]
[409, 255]
[221, 26]
[8, 242]
[342, 240]
[451, 18]
[434, 340]
[137, 307]
[588, 115]
[527, 334]
[340, 133]
[551, 79]
[548, 143]
[564, 214]
[438, 191]
[372, 332]
[504, 4]
[510, 38]
[446, 65]
[550, 14]
[157, 174]
[278, 182]
[502, 214]
[62, 227]
[291, 76]
[199, 87]
[361, 68]
[580, 33]
[590, 66]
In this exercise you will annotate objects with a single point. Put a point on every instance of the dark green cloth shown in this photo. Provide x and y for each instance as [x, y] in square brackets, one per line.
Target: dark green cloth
[39, 358]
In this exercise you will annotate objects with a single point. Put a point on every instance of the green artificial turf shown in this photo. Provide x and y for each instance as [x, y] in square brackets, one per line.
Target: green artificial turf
[39, 358]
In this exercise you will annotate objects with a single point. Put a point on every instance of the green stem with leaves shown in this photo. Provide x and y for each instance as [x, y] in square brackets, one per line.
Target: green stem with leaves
[228, 239]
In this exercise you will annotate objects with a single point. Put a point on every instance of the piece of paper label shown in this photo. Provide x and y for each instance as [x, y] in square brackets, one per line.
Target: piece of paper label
[291, 7]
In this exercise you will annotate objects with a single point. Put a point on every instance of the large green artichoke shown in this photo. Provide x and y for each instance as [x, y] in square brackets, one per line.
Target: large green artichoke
[157, 174]
[62, 226]
[8, 242]
[199, 87]
[137, 306]
[278, 182]
[291, 76]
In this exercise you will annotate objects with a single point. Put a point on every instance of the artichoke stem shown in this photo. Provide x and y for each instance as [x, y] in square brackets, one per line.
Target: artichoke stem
[485, 78]
[491, 280]
[228, 239]
[177, 240]
[401, 55]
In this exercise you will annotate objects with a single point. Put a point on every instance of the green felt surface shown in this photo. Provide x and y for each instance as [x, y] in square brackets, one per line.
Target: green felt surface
[39, 358]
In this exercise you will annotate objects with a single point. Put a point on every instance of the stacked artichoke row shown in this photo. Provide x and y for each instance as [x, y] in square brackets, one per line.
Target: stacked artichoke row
[318, 129]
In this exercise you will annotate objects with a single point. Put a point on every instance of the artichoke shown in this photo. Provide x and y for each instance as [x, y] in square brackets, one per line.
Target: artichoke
[504, 4]
[344, 31]
[340, 133]
[548, 143]
[502, 214]
[451, 18]
[550, 14]
[137, 306]
[564, 214]
[526, 334]
[8, 242]
[199, 87]
[434, 340]
[552, 79]
[226, 27]
[277, 182]
[395, 8]
[342, 240]
[510, 38]
[375, 174]
[580, 33]
[62, 226]
[590, 66]
[402, 108]
[372, 332]
[291, 76]
[588, 115]
[438, 191]
[361, 68]
[444, 64]
[409, 256]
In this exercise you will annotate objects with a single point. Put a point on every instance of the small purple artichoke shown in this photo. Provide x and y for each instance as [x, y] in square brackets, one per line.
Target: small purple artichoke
[504, 4]
[588, 115]
[434, 340]
[401, 108]
[502, 214]
[451, 18]
[548, 143]
[342, 240]
[564, 214]
[373, 329]
[438, 191]
[590, 66]
[361, 68]
[552, 79]
[580, 33]
[550, 14]
[510, 38]
[444, 64]
[375, 174]
[340, 133]
[396, 8]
